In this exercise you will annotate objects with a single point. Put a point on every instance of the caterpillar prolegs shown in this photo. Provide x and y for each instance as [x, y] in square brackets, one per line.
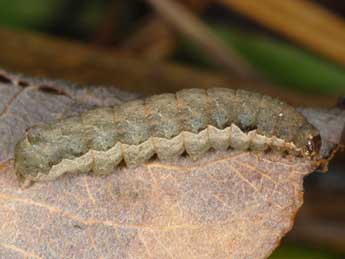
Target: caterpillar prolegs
[191, 121]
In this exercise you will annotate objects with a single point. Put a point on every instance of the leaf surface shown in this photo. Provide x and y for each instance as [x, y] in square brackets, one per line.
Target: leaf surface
[226, 205]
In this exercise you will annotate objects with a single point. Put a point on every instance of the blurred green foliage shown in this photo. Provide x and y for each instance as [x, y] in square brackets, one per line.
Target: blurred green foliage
[74, 19]
[278, 61]
[26, 13]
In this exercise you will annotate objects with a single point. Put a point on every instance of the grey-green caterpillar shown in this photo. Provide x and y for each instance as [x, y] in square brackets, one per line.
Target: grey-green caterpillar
[191, 121]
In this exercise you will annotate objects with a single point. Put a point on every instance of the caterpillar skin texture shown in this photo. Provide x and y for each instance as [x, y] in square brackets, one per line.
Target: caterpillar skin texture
[191, 121]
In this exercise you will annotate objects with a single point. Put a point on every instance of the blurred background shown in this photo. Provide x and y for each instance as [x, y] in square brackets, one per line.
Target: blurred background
[292, 49]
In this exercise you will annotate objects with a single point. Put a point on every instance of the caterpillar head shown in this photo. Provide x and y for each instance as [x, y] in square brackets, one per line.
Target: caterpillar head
[313, 145]
[309, 140]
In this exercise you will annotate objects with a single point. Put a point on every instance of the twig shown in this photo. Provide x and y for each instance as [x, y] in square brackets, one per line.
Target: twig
[193, 28]
[154, 40]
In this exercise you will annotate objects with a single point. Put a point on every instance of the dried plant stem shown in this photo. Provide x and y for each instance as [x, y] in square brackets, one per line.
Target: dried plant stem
[194, 29]
[300, 21]
[156, 39]
[315, 16]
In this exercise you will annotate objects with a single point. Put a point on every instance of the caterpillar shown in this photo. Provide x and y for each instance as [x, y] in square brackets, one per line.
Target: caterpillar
[191, 121]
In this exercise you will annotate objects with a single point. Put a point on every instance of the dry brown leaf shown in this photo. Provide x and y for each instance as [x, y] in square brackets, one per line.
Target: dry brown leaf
[229, 205]
[226, 205]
